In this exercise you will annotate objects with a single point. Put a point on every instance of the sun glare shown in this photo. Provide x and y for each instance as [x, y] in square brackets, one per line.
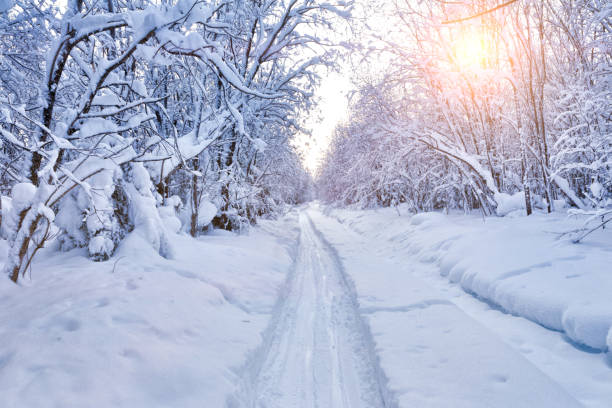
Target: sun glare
[469, 50]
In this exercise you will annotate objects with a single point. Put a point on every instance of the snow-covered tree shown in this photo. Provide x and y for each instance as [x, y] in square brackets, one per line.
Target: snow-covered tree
[131, 115]
[482, 105]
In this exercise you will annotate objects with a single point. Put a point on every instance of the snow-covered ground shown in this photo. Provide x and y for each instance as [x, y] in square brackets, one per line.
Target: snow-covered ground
[328, 308]
[318, 352]
[427, 282]
[140, 330]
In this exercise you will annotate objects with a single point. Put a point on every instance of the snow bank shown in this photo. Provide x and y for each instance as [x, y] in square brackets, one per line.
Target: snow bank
[433, 353]
[140, 330]
[515, 263]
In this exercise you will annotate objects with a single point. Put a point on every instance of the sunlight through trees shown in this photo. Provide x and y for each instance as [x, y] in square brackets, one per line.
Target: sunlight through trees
[484, 105]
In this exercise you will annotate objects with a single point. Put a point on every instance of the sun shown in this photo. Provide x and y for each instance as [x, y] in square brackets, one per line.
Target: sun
[469, 50]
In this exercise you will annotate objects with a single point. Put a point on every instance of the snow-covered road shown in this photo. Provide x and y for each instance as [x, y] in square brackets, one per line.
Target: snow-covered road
[319, 352]
[353, 330]
[349, 318]
[434, 354]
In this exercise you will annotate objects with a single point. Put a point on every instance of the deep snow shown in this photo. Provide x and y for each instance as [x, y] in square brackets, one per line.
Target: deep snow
[475, 263]
[517, 263]
[140, 330]
[317, 353]
[329, 308]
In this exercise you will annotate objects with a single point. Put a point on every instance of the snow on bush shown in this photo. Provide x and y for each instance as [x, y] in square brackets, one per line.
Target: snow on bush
[168, 214]
[21, 198]
[458, 137]
[206, 212]
[70, 217]
[5, 210]
[100, 221]
[143, 210]
[142, 82]
[507, 203]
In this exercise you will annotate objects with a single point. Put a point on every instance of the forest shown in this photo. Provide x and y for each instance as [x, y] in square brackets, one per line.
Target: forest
[119, 114]
[305, 203]
[485, 105]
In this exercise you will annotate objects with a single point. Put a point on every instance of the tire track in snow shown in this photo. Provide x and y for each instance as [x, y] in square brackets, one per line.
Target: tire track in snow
[317, 352]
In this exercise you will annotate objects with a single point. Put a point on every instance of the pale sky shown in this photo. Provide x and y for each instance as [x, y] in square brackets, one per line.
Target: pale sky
[332, 109]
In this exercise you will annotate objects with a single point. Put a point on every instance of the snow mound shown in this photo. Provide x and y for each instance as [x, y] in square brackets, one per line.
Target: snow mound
[507, 203]
[513, 262]
[589, 323]
[206, 212]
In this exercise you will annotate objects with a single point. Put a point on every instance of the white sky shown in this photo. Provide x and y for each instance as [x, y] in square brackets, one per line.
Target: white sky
[332, 94]
[332, 108]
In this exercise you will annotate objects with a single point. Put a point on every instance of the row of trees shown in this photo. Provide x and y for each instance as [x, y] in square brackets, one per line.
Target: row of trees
[484, 105]
[118, 115]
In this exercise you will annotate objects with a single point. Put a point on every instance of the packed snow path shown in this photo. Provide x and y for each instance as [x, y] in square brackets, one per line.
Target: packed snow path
[432, 352]
[319, 352]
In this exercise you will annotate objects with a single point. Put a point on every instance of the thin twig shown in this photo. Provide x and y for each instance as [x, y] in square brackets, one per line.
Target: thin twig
[482, 13]
[117, 261]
